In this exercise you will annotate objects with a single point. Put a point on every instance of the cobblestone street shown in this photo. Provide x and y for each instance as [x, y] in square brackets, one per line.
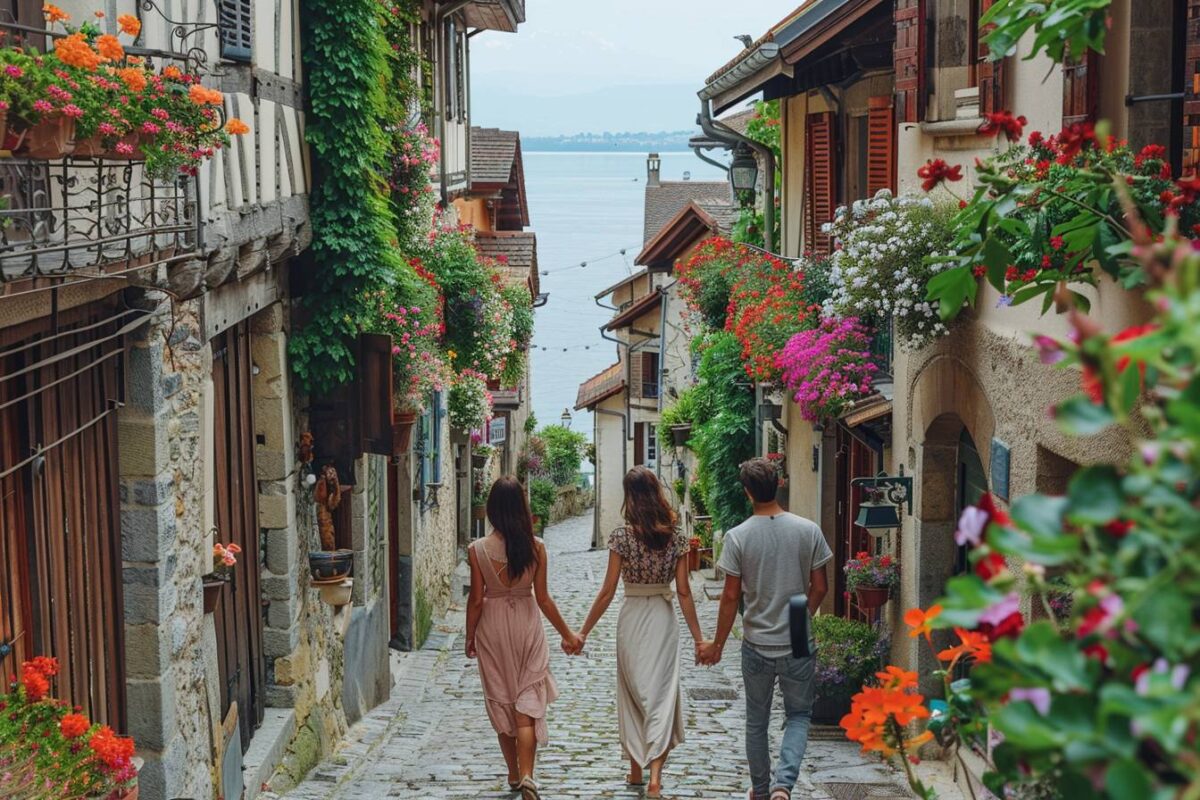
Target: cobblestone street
[432, 739]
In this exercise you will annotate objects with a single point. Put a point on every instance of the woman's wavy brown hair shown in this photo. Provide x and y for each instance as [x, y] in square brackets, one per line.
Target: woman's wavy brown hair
[508, 511]
[647, 513]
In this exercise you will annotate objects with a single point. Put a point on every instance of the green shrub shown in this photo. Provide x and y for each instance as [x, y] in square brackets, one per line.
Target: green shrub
[542, 494]
[848, 652]
[688, 408]
[726, 438]
[564, 454]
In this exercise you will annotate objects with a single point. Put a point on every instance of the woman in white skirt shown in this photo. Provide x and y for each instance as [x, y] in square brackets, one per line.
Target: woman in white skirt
[648, 552]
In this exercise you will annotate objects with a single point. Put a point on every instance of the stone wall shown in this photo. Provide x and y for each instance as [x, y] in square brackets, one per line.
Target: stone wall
[435, 544]
[571, 502]
[164, 546]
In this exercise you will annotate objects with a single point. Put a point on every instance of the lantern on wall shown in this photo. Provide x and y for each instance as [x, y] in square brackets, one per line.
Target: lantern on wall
[886, 495]
[743, 171]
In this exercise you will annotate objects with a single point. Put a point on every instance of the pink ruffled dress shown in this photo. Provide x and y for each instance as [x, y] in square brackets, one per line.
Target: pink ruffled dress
[514, 660]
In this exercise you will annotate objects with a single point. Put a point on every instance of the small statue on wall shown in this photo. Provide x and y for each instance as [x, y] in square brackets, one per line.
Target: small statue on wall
[328, 495]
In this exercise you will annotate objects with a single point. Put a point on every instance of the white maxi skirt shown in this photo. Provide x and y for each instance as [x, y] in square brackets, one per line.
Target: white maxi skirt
[650, 708]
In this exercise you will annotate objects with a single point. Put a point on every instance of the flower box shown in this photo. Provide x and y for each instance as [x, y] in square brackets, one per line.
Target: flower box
[402, 428]
[52, 137]
[214, 589]
[872, 597]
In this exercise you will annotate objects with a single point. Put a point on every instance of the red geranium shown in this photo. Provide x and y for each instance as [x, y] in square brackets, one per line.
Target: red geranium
[938, 171]
[74, 725]
[1003, 121]
[1093, 383]
[1073, 140]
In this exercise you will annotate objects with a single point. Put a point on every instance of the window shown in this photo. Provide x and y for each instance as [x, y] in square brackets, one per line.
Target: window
[453, 72]
[651, 433]
[650, 375]
[235, 20]
[431, 442]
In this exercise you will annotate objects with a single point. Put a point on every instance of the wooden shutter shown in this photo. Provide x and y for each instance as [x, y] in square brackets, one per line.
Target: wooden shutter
[1191, 90]
[989, 74]
[1081, 89]
[881, 146]
[821, 176]
[639, 444]
[909, 60]
[236, 24]
[635, 375]
[375, 393]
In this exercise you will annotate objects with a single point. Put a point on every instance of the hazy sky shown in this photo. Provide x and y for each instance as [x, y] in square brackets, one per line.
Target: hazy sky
[583, 49]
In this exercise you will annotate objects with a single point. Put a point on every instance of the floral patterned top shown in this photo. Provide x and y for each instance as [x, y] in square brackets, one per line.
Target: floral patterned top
[642, 564]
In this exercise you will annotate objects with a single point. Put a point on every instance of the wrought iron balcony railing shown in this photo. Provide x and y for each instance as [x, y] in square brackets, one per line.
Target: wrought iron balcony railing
[91, 217]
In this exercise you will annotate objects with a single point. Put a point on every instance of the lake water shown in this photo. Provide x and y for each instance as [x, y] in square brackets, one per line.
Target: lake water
[585, 207]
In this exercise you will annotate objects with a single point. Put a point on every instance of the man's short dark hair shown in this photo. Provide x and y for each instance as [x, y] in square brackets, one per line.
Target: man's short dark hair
[760, 478]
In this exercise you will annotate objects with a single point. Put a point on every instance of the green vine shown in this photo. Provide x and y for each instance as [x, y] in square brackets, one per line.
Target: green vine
[359, 85]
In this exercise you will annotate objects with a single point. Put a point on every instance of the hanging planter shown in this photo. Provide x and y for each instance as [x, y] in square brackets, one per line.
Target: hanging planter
[872, 597]
[337, 594]
[402, 429]
[52, 137]
[330, 566]
[680, 434]
[214, 588]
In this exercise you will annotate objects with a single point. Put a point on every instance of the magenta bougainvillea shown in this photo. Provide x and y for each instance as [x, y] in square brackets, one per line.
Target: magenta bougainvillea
[828, 368]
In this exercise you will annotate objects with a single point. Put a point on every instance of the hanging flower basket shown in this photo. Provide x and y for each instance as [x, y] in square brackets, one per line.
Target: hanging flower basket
[872, 597]
[214, 588]
[680, 434]
[337, 594]
[330, 566]
[52, 137]
[127, 148]
[402, 428]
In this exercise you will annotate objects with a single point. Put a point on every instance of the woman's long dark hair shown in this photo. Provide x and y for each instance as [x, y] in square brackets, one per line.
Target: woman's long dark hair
[508, 511]
[646, 510]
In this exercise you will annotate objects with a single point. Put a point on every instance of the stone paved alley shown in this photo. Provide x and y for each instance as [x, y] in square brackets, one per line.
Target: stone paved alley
[432, 739]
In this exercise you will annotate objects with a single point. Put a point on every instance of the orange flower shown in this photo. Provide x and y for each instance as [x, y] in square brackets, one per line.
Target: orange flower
[877, 712]
[133, 78]
[172, 72]
[203, 96]
[974, 645]
[130, 24]
[920, 621]
[74, 51]
[74, 725]
[54, 14]
[109, 47]
[895, 678]
[235, 127]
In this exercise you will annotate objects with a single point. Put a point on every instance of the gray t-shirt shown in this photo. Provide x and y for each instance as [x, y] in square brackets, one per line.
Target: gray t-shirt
[773, 556]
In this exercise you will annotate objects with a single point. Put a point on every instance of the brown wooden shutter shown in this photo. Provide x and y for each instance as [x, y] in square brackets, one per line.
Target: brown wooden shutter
[909, 59]
[989, 74]
[639, 444]
[1191, 90]
[635, 375]
[821, 194]
[881, 146]
[375, 392]
[1081, 89]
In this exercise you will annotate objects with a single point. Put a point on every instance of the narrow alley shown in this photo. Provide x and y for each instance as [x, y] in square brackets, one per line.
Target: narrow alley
[432, 739]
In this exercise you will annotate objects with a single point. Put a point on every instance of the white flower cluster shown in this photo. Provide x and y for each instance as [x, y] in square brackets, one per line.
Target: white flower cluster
[882, 263]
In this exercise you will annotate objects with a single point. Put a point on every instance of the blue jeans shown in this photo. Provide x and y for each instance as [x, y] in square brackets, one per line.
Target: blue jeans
[796, 683]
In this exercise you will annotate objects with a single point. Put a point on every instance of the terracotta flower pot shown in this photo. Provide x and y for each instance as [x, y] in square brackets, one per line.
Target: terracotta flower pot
[870, 597]
[402, 428]
[53, 137]
[214, 588]
[680, 434]
[91, 147]
[134, 140]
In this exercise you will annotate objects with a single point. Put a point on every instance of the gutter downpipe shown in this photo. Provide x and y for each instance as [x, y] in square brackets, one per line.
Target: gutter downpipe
[753, 63]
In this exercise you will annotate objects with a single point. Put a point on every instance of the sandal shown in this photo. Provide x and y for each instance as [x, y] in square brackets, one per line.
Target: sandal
[514, 787]
[654, 794]
[529, 790]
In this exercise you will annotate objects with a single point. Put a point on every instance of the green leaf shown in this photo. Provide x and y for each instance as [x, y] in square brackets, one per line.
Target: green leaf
[997, 257]
[966, 598]
[1127, 778]
[1042, 647]
[1164, 618]
[951, 289]
[1095, 495]
[1024, 728]
[1039, 514]
[1079, 416]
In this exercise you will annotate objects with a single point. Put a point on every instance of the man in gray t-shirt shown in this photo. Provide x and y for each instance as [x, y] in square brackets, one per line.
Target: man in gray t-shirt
[766, 560]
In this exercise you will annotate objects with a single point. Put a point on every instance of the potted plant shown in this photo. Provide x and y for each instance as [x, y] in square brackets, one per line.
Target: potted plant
[848, 652]
[704, 535]
[829, 367]
[678, 418]
[480, 455]
[469, 404]
[224, 560]
[329, 565]
[49, 749]
[418, 367]
[871, 578]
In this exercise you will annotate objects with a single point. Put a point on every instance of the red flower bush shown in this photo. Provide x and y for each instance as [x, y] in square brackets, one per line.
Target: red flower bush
[936, 172]
[1003, 122]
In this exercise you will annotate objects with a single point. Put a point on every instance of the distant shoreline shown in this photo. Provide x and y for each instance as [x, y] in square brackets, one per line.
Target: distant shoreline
[607, 152]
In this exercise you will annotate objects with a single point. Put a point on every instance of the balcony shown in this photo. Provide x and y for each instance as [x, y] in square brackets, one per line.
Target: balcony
[90, 218]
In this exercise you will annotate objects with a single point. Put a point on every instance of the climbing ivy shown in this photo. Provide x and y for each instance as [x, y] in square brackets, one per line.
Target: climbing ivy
[356, 81]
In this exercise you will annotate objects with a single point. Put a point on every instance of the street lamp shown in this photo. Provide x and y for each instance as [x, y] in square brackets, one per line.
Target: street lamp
[566, 418]
[886, 495]
[743, 172]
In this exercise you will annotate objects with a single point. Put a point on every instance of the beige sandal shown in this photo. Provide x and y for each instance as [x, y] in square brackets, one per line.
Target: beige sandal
[529, 790]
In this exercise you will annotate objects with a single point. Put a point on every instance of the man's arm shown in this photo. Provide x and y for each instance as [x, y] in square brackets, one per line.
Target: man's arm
[730, 596]
[818, 587]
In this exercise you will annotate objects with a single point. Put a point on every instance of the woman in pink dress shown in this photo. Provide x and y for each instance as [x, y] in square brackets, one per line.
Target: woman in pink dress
[504, 631]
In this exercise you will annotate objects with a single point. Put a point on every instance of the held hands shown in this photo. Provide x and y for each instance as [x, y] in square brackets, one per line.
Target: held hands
[573, 644]
[708, 653]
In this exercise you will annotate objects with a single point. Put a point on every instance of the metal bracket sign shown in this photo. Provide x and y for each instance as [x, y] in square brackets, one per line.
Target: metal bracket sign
[1001, 461]
[498, 431]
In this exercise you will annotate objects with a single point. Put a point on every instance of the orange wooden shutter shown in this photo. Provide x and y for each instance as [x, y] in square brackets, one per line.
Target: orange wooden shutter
[1191, 90]
[822, 181]
[989, 74]
[881, 146]
[909, 60]
[1081, 89]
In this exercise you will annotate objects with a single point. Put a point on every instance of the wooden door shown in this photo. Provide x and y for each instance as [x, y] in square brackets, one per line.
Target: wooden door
[60, 538]
[854, 460]
[239, 618]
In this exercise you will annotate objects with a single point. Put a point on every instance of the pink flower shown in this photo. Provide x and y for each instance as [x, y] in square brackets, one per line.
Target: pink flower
[1049, 350]
[971, 526]
[997, 613]
[73, 111]
[42, 106]
[124, 148]
[150, 127]
[1038, 697]
[13, 71]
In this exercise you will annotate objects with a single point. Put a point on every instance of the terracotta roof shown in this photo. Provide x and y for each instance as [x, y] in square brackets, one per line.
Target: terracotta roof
[517, 253]
[600, 387]
[691, 224]
[631, 313]
[666, 199]
[493, 153]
